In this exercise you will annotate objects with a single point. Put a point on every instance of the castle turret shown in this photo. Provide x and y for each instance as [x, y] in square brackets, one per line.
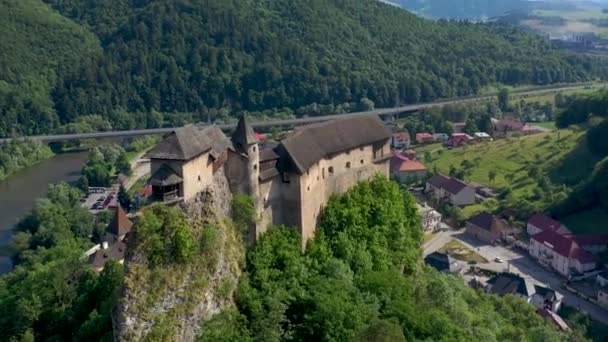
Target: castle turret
[246, 143]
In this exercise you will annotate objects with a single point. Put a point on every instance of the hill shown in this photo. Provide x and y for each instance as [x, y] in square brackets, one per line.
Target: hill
[462, 9]
[199, 56]
[37, 47]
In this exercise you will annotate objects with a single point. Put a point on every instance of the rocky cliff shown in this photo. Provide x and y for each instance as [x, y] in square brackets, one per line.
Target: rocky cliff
[171, 302]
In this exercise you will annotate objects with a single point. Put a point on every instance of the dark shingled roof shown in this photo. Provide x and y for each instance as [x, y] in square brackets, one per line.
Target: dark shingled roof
[451, 185]
[165, 176]
[244, 134]
[308, 144]
[120, 224]
[116, 251]
[508, 283]
[442, 262]
[483, 220]
[189, 142]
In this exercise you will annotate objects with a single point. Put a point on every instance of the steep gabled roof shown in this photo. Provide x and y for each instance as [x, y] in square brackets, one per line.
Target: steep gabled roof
[508, 283]
[544, 222]
[483, 220]
[451, 185]
[564, 245]
[306, 145]
[120, 224]
[244, 134]
[189, 142]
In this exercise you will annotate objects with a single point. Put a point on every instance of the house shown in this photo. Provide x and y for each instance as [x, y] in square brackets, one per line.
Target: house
[539, 223]
[546, 298]
[444, 263]
[115, 251]
[459, 139]
[506, 127]
[429, 217]
[289, 182]
[451, 190]
[509, 283]
[404, 169]
[561, 252]
[400, 140]
[458, 127]
[488, 228]
[424, 138]
[482, 136]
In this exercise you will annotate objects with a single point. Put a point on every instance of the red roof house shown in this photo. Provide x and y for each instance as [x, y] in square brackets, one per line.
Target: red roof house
[539, 223]
[561, 252]
[459, 139]
[424, 138]
[403, 168]
[400, 140]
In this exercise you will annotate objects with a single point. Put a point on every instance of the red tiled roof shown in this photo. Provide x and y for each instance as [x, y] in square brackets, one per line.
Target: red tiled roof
[564, 245]
[120, 224]
[451, 185]
[412, 165]
[145, 191]
[510, 125]
[544, 222]
[423, 135]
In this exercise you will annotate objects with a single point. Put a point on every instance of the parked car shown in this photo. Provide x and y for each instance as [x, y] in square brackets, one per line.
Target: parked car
[499, 260]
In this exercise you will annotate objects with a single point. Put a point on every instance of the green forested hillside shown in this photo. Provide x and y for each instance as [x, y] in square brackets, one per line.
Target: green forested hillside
[37, 47]
[186, 55]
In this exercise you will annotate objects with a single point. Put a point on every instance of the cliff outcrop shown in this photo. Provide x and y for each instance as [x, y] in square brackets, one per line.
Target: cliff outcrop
[170, 300]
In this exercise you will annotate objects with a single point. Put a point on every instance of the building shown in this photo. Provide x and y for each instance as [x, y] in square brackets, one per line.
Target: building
[429, 217]
[107, 252]
[507, 127]
[482, 136]
[459, 139]
[451, 190]
[509, 283]
[444, 263]
[546, 298]
[183, 164]
[441, 137]
[400, 140]
[488, 228]
[114, 245]
[458, 127]
[409, 154]
[424, 138]
[119, 226]
[561, 252]
[290, 183]
[539, 223]
[404, 169]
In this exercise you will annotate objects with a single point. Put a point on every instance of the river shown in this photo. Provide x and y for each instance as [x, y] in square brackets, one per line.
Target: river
[19, 192]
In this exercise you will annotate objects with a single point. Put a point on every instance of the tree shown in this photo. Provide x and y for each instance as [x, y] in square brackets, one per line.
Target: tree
[124, 198]
[123, 165]
[428, 157]
[83, 184]
[503, 99]
[243, 211]
[365, 105]
[492, 176]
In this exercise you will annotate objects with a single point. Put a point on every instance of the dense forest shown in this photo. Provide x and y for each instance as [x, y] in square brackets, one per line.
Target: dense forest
[127, 58]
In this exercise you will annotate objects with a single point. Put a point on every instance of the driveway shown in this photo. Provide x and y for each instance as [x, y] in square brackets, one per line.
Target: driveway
[519, 263]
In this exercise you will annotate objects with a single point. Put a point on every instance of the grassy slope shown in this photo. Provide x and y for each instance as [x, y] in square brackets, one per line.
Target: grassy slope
[565, 163]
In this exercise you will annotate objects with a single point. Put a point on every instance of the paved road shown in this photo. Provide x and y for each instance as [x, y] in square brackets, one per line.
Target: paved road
[299, 121]
[519, 263]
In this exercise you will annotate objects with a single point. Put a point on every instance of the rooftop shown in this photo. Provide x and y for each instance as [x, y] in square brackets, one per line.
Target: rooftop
[509, 283]
[564, 245]
[483, 220]
[544, 222]
[451, 185]
[190, 142]
[120, 224]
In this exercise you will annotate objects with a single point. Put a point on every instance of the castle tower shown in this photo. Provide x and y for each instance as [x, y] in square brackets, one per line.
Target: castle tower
[246, 144]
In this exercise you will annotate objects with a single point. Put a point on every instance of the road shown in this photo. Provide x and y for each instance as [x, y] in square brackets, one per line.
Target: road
[288, 122]
[518, 263]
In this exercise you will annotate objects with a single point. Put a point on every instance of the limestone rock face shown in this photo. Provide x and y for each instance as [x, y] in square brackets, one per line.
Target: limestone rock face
[172, 303]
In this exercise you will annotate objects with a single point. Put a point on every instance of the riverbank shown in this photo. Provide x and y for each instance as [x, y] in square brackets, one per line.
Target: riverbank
[21, 154]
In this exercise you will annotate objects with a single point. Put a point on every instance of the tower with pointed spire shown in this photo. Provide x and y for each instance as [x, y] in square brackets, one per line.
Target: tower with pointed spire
[246, 144]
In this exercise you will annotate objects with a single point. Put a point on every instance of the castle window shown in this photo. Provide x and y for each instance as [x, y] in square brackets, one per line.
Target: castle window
[199, 178]
[285, 177]
[362, 162]
[253, 148]
[331, 170]
[308, 188]
[348, 165]
[255, 167]
[317, 177]
[323, 172]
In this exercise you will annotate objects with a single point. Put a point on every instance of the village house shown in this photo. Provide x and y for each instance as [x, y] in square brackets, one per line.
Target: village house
[429, 217]
[451, 190]
[539, 223]
[482, 137]
[409, 154]
[400, 140]
[441, 137]
[458, 127]
[506, 127]
[561, 252]
[404, 169]
[290, 183]
[424, 138]
[442, 262]
[546, 298]
[540, 296]
[489, 228]
[459, 139]
[114, 245]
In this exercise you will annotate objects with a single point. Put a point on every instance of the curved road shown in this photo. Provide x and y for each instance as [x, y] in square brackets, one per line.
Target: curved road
[298, 121]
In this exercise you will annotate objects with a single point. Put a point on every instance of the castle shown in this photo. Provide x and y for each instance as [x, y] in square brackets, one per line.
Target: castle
[289, 182]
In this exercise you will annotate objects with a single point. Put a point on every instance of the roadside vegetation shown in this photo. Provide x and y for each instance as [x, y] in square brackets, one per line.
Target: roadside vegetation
[20, 154]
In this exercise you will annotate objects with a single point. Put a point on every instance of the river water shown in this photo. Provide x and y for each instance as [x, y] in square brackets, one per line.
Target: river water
[19, 193]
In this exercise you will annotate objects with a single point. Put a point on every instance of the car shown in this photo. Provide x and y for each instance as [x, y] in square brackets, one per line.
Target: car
[499, 260]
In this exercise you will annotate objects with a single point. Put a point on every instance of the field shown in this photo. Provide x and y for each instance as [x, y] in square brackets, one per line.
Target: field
[576, 21]
[459, 251]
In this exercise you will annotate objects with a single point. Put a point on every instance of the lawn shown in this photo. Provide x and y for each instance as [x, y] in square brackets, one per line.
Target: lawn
[459, 251]
[548, 125]
[587, 222]
[561, 154]
[428, 237]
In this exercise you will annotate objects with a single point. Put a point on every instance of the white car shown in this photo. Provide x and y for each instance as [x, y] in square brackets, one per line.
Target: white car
[499, 260]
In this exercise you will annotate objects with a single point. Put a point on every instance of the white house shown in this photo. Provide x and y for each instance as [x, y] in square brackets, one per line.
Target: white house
[561, 252]
[452, 190]
[429, 217]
